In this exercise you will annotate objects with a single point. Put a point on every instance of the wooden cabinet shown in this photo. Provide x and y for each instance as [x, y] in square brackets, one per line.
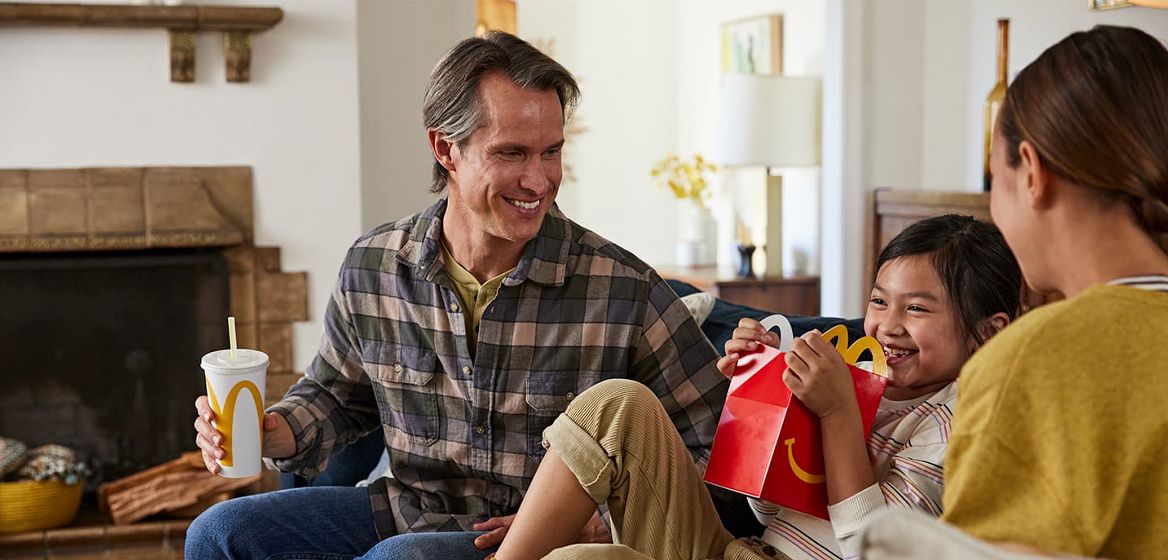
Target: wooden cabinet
[791, 295]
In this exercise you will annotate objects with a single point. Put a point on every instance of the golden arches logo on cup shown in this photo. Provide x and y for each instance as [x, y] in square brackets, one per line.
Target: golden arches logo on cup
[241, 379]
[225, 415]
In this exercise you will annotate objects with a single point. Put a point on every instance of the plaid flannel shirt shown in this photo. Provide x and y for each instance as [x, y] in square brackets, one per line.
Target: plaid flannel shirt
[464, 435]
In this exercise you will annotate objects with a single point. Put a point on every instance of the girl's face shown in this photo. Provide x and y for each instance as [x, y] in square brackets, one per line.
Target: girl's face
[912, 317]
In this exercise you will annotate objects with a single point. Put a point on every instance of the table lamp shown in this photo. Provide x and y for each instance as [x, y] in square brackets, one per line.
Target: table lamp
[768, 121]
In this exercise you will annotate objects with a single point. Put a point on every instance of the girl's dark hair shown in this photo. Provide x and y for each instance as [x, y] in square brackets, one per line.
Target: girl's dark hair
[972, 260]
[1095, 108]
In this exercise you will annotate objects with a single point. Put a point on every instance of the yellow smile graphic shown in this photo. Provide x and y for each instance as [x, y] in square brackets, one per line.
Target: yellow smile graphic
[795, 468]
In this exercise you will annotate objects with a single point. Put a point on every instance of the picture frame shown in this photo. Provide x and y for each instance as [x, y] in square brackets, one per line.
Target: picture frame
[1107, 4]
[753, 45]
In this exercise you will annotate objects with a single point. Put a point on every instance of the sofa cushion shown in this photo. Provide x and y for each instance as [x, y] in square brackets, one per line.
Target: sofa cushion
[723, 318]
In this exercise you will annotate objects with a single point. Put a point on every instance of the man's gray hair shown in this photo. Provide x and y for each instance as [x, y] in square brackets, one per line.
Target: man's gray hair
[452, 105]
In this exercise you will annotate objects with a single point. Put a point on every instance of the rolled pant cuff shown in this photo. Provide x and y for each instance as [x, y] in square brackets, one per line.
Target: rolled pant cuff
[583, 456]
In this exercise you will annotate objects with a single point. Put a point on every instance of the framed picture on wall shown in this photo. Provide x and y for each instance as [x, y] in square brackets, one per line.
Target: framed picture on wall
[753, 45]
[1107, 4]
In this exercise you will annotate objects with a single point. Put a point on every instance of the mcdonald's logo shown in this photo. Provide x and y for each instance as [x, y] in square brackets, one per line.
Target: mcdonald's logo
[803, 475]
[225, 416]
[839, 336]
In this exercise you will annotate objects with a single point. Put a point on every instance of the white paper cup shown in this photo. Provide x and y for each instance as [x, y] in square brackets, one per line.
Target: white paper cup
[236, 391]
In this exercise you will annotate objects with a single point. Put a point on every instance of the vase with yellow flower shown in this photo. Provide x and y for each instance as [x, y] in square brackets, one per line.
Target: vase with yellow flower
[686, 180]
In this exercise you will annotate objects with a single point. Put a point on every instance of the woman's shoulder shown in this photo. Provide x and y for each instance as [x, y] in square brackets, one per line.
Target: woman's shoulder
[1076, 325]
[1062, 350]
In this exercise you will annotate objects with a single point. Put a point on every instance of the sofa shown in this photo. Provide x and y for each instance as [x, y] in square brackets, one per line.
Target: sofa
[363, 458]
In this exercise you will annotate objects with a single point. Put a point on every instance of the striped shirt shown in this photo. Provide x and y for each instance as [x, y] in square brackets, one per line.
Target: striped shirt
[464, 434]
[1149, 282]
[907, 448]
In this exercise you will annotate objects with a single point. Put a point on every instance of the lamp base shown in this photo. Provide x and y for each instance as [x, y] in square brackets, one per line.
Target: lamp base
[767, 209]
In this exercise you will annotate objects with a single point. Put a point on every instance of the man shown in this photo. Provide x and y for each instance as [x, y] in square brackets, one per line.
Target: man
[462, 332]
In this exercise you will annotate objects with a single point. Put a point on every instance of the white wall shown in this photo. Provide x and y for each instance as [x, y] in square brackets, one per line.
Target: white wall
[102, 97]
[893, 100]
[623, 56]
[399, 42]
[1035, 25]
[844, 92]
[929, 67]
[651, 83]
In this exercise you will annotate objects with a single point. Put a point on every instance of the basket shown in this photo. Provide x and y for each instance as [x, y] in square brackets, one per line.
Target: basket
[28, 505]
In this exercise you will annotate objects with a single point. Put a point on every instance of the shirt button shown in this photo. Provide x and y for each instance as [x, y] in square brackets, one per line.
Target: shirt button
[480, 429]
[397, 368]
[466, 370]
[570, 396]
[454, 308]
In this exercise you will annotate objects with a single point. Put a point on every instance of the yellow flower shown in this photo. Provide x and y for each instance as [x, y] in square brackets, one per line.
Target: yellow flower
[685, 179]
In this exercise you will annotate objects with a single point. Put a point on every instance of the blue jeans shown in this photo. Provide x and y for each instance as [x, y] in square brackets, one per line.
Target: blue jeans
[316, 523]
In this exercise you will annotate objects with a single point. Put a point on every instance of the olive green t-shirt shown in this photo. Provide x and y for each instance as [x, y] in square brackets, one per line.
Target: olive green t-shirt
[475, 297]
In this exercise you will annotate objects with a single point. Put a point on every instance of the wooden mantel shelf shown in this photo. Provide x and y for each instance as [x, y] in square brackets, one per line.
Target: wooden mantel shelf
[182, 22]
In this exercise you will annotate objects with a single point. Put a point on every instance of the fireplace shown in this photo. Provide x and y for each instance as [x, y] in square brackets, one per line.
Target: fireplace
[113, 283]
[101, 351]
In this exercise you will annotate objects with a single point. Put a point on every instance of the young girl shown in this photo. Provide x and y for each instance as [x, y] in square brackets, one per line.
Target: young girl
[1062, 440]
[943, 286]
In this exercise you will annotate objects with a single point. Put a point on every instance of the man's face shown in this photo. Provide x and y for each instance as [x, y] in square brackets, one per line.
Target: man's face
[507, 175]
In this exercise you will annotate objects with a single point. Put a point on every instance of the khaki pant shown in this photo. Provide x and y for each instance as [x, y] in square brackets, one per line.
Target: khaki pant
[621, 445]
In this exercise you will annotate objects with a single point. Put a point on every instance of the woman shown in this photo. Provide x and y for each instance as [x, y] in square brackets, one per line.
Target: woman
[1061, 441]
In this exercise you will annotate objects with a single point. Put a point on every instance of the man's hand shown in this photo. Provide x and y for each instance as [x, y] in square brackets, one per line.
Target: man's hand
[595, 531]
[745, 340]
[496, 528]
[817, 374]
[278, 442]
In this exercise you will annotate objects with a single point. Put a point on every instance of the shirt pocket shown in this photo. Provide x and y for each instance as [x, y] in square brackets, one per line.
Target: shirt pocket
[407, 390]
[548, 395]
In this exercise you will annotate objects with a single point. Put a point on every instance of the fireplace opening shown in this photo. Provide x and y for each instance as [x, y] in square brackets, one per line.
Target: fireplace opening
[100, 351]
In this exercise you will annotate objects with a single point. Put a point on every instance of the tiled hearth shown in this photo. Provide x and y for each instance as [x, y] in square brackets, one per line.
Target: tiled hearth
[130, 209]
[93, 540]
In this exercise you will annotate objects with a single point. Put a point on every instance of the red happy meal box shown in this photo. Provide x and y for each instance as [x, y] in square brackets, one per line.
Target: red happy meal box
[768, 444]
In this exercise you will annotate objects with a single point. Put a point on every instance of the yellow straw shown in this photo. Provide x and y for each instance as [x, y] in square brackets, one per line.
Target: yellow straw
[231, 335]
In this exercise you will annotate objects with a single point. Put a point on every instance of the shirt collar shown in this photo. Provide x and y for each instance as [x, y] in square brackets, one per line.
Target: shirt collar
[544, 259]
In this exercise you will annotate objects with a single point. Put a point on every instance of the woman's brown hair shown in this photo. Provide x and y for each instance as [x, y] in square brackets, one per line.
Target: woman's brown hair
[1095, 108]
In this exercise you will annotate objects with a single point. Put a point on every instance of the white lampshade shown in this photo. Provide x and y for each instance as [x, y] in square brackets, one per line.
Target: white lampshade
[770, 121]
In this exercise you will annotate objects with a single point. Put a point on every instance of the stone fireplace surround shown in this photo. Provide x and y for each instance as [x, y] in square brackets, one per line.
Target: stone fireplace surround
[142, 208]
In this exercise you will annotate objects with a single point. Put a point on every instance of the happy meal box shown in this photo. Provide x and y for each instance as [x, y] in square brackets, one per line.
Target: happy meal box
[768, 444]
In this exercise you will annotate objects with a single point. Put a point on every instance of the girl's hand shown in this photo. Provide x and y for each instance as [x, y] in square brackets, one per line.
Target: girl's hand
[818, 375]
[745, 340]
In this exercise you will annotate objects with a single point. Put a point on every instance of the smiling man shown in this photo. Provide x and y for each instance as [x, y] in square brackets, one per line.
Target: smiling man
[461, 333]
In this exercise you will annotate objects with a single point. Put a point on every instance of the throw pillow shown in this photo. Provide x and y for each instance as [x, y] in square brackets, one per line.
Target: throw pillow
[700, 305]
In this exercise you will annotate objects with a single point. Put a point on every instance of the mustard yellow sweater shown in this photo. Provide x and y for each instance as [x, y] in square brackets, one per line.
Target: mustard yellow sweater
[1061, 431]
